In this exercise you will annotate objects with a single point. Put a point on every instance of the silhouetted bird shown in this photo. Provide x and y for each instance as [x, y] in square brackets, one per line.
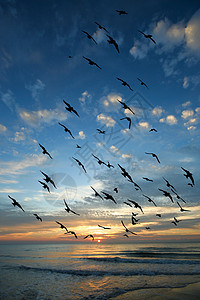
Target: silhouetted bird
[147, 179]
[126, 235]
[190, 184]
[177, 196]
[136, 205]
[127, 203]
[148, 36]
[70, 109]
[101, 27]
[89, 36]
[124, 83]
[66, 129]
[182, 209]
[134, 214]
[68, 209]
[62, 226]
[134, 220]
[104, 227]
[127, 230]
[96, 193]
[109, 197]
[125, 173]
[153, 129]
[100, 162]
[15, 203]
[109, 165]
[48, 179]
[154, 155]
[89, 235]
[37, 217]
[72, 232]
[174, 223]
[45, 151]
[188, 175]
[177, 221]
[167, 194]
[116, 190]
[126, 106]
[128, 119]
[148, 228]
[77, 146]
[80, 164]
[121, 12]
[142, 82]
[168, 184]
[149, 199]
[91, 62]
[112, 41]
[158, 215]
[101, 131]
[45, 186]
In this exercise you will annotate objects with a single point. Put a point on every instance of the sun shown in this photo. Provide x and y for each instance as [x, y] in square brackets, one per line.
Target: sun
[98, 241]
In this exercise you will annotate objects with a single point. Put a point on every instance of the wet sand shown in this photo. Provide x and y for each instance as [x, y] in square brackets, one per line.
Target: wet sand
[189, 292]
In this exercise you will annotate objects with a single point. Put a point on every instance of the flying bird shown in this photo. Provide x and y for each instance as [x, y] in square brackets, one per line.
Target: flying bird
[134, 220]
[45, 186]
[174, 223]
[182, 209]
[158, 215]
[100, 162]
[149, 199]
[101, 131]
[109, 165]
[177, 221]
[66, 129]
[136, 205]
[80, 164]
[70, 108]
[96, 193]
[190, 184]
[68, 209]
[147, 179]
[89, 235]
[48, 179]
[89, 36]
[72, 232]
[127, 203]
[91, 62]
[177, 196]
[168, 184]
[124, 83]
[125, 173]
[154, 155]
[109, 197]
[167, 194]
[15, 203]
[121, 12]
[37, 217]
[126, 235]
[62, 226]
[112, 41]
[148, 36]
[142, 82]
[126, 106]
[116, 190]
[128, 119]
[153, 129]
[45, 151]
[188, 175]
[78, 147]
[104, 227]
[101, 27]
[127, 230]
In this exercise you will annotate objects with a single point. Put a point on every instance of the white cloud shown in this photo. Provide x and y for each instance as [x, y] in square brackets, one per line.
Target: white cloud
[191, 128]
[157, 111]
[2, 128]
[85, 95]
[197, 110]
[114, 149]
[186, 104]
[139, 50]
[108, 121]
[8, 99]
[126, 155]
[36, 88]
[187, 113]
[192, 33]
[81, 135]
[171, 120]
[144, 125]
[185, 82]
[162, 120]
[99, 36]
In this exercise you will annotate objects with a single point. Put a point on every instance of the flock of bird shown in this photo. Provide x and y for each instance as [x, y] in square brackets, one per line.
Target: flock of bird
[47, 180]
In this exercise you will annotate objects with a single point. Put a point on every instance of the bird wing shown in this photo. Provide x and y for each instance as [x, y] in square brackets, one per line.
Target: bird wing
[75, 112]
[130, 110]
[42, 147]
[152, 40]
[68, 105]
[129, 87]
[141, 32]
[123, 224]
[157, 158]
[71, 134]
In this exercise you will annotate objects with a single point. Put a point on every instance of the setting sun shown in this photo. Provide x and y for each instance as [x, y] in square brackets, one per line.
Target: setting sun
[98, 241]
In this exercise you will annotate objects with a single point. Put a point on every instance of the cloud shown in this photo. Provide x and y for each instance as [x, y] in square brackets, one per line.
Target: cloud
[99, 36]
[36, 88]
[114, 149]
[2, 128]
[187, 113]
[192, 33]
[8, 99]
[127, 155]
[85, 95]
[191, 81]
[81, 135]
[108, 121]
[171, 120]
[186, 104]
[157, 111]
[144, 125]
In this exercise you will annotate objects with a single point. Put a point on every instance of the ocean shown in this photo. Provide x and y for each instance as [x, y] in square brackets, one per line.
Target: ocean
[94, 270]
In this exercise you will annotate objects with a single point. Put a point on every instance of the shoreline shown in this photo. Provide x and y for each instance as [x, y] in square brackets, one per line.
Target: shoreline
[189, 292]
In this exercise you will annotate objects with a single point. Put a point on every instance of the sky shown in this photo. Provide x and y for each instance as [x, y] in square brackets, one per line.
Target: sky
[42, 63]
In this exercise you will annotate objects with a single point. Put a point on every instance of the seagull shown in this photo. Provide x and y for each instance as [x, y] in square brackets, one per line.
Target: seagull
[116, 190]
[77, 146]
[68, 209]
[126, 106]
[136, 205]
[134, 220]
[188, 175]
[167, 194]
[80, 164]
[153, 129]
[127, 203]
[190, 184]
[137, 187]
[15, 203]
[147, 179]
[142, 82]
[70, 108]
[121, 12]
[100, 162]
[96, 193]
[62, 226]
[149, 199]
[182, 209]
[101, 27]
[66, 129]
[127, 230]
[72, 232]
[37, 217]
[126, 235]
[177, 196]
[104, 227]
[177, 221]
[89, 36]
[148, 36]
[112, 41]
[108, 196]
[89, 235]
[174, 223]
[158, 215]
[154, 155]
[168, 184]
[92, 63]
[101, 131]
[125, 173]
[134, 214]
[124, 83]
[128, 119]
[48, 179]
[45, 186]
[45, 151]
[109, 165]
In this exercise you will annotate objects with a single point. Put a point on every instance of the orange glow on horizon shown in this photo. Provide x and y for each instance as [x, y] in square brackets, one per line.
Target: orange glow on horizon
[98, 241]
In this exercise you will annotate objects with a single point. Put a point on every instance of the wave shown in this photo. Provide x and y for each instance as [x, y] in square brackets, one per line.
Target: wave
[101, 272]
[160, 254]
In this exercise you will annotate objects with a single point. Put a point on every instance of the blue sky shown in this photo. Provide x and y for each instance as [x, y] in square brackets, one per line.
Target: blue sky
[37, 74]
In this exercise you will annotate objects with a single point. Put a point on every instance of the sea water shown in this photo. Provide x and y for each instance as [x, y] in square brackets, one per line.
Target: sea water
[94, 270]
